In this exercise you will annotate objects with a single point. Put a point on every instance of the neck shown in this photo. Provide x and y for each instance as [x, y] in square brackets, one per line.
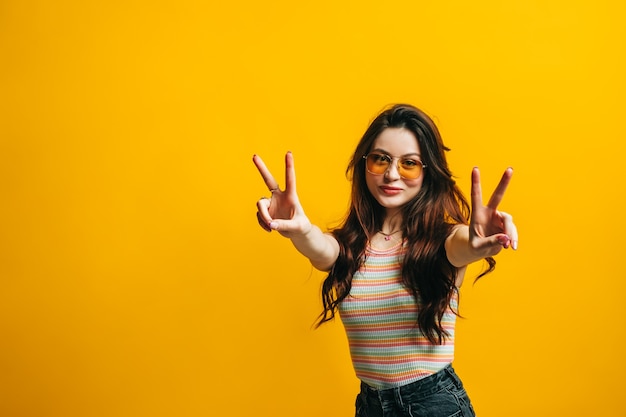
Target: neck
[392, 223]
[389, 235]
[392, 226]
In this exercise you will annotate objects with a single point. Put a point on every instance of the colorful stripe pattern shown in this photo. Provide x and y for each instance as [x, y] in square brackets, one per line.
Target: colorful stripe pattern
[380, 319]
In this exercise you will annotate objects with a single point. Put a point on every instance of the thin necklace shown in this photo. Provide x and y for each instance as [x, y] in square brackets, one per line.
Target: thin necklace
[388, 235]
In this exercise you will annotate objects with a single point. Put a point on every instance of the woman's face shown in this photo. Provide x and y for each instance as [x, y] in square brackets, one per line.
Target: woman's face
[390, 189]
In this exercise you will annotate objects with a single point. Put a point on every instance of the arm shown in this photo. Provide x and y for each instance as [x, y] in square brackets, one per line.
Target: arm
[284, 213]
[321, 248]
[489, 230]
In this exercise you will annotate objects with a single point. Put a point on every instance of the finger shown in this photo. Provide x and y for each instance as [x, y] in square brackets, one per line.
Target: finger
[290, 173]
[498, 194]
[263, 213]
[270, 182]
[509, 228]
[262, 223]
[283, 225]
[492, 245]
[476, 191]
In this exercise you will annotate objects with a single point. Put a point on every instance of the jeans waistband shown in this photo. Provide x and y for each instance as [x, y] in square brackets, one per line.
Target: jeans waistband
[424, 386]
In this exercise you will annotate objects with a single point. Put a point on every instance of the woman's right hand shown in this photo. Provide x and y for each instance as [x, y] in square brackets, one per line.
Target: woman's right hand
[282, 211]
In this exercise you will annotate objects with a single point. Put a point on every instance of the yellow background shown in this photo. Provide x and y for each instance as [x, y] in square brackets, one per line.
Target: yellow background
[134, 280]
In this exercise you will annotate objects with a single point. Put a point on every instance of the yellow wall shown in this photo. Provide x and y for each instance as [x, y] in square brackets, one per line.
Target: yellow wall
[134, 280]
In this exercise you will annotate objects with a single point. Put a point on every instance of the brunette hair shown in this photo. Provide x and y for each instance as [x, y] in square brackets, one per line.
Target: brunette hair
[428, 220]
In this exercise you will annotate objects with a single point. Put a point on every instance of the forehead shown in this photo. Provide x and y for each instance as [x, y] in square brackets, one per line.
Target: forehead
[397, 142]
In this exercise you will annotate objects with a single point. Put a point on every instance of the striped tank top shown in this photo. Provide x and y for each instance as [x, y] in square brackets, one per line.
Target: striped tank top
[380, 318]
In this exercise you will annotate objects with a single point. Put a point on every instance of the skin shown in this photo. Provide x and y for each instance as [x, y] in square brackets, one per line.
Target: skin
[488, 233]
[284, 213]
[390, 189]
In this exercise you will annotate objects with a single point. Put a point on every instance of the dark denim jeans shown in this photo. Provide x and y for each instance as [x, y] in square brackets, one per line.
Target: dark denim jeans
[438, 395]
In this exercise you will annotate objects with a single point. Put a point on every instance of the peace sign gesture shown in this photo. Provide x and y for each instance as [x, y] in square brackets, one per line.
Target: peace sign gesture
[491, 230]
[281, 212]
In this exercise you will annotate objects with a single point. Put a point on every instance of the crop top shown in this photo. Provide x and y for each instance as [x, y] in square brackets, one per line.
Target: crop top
[380, 319]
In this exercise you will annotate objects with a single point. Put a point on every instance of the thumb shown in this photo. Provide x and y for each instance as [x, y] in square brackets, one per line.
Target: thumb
[282, 225]
[503, 240]
[491, 245]
[291, 227]
[496, 241]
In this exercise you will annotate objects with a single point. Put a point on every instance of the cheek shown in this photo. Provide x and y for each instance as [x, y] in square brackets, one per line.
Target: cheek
[416, 187]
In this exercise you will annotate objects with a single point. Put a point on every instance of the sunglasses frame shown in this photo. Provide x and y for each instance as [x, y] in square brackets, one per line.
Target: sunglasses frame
[399, 167]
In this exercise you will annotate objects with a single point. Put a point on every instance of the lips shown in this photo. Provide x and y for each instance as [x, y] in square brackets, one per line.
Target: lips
[390, 190]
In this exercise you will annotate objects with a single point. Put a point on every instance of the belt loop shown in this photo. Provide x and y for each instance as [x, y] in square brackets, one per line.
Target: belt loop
[397, 393]
[453, 376]
[379, 393]
[364, 391]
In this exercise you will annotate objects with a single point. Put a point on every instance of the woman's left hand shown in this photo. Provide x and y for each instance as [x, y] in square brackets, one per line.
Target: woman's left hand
[490, 230]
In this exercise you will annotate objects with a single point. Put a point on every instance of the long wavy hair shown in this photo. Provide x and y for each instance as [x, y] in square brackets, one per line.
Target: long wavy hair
[428, 219]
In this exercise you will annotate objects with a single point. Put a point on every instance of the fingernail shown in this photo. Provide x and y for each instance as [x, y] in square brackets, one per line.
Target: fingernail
[514, 245]
[273, 225]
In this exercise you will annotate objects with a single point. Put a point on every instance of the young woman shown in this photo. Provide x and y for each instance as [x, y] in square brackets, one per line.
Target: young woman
[397, 261]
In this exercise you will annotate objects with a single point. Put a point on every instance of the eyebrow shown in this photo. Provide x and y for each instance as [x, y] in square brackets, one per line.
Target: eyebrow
[401, 156]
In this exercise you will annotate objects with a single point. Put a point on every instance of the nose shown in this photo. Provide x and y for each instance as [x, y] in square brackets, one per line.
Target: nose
[392, 172]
